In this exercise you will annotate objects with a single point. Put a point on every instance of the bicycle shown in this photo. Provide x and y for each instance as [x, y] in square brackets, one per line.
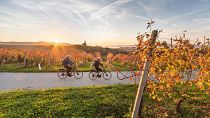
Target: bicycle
[63, 73]
[128, 74]
[93, 75]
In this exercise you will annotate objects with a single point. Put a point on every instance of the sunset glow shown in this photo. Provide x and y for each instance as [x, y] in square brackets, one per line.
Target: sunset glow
[57, 41]
[101, 22]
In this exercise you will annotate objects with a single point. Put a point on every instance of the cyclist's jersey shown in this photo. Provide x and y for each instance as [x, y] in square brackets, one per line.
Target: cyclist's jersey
[67, 62]
[96, 64]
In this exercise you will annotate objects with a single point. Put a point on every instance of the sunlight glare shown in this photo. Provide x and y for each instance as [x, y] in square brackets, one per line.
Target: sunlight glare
[57, 40]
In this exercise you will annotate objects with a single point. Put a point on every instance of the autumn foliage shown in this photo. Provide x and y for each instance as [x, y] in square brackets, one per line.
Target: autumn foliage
[182, 69]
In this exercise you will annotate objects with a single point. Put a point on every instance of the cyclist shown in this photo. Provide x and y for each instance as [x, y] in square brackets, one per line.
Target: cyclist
[97, 63]
[68, 64]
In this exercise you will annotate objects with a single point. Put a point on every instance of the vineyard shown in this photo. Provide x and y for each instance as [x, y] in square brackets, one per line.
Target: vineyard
[181, 67]
[183, 71]
[50, 58]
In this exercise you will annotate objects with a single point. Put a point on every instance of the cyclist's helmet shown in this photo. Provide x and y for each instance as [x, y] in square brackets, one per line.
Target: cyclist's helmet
[98, 59]
[67, 57]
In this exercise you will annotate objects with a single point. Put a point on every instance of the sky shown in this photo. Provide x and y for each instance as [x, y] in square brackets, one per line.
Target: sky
[101, 22]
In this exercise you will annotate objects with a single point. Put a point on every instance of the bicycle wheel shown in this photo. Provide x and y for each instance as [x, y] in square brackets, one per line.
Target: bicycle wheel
[120, 76]
[107, 75]
[62, 74]
[78, 75]
[93, 75]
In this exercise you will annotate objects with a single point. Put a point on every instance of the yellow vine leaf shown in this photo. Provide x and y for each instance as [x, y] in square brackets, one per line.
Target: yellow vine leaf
[154, 96]
[208, 83]
[159, 99]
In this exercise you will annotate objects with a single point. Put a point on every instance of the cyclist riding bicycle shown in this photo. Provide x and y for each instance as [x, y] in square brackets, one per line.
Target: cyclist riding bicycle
[97, 63]
[68, 64]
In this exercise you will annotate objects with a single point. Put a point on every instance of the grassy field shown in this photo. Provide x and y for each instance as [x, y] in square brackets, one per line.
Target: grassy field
[83, 67]
[20, 68]
[105, 101]
[70, 102]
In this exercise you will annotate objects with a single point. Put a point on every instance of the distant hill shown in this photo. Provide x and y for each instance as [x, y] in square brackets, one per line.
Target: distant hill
[32, 43]
[102, 50]
[129, 48]
[47, 46]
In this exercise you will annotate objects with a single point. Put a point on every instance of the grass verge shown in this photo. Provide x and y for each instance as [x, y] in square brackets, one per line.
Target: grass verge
[105, 101]
[112, 101]
[84, 67]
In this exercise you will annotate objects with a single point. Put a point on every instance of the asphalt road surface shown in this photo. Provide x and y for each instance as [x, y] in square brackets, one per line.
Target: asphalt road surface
[11, 81]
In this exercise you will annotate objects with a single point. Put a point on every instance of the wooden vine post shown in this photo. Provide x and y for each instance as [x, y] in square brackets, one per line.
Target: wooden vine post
[24, 61]
[142, 83]
[171, 42]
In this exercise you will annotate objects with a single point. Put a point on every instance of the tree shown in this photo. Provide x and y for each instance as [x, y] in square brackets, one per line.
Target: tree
[84, 43]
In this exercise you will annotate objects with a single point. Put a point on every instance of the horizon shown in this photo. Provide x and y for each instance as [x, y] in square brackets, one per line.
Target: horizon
[99, 22]
[64, 43]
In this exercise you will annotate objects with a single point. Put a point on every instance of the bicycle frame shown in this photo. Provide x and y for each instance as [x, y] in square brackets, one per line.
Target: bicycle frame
[131, 74]
[100, 74]
[94, 70]
[72, 72]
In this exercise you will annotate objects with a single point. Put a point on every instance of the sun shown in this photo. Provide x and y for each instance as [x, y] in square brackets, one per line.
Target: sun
[57, 40]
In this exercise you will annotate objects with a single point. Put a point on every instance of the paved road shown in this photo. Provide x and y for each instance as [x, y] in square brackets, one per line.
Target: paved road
[11, 81]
